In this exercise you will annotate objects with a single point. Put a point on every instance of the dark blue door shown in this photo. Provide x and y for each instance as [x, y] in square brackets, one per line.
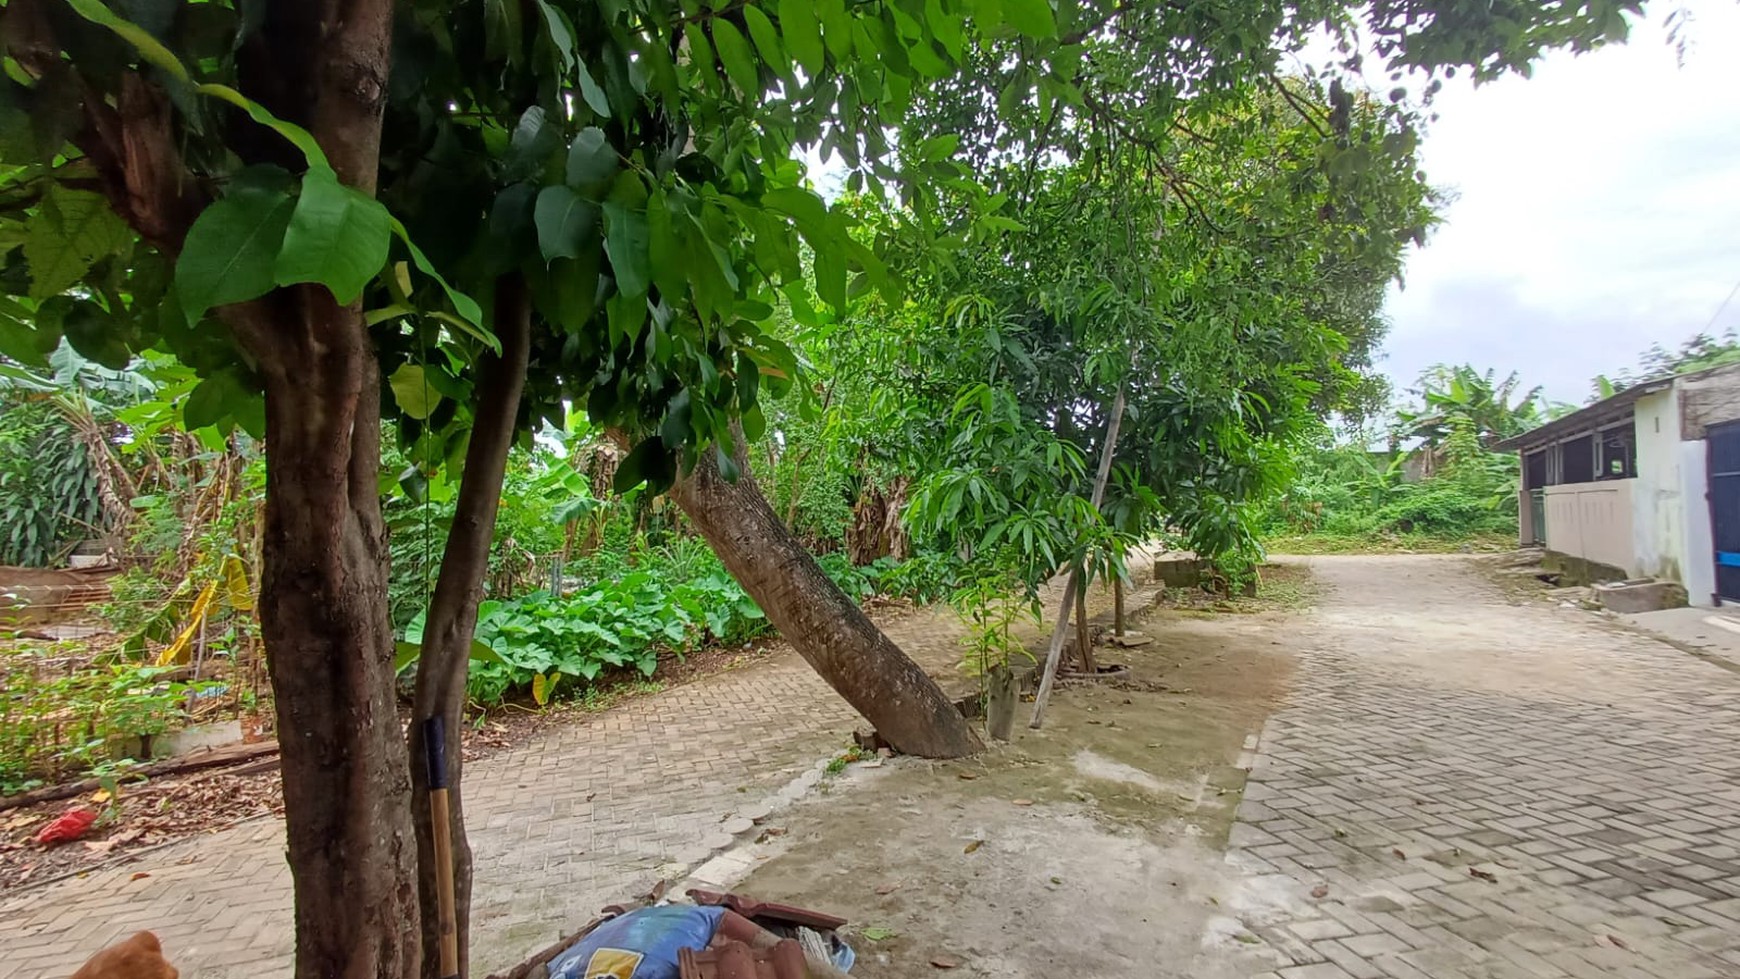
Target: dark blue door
[1724, 445]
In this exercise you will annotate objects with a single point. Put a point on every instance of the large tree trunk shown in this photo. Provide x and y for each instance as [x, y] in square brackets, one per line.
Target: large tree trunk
[329, 642]
[323, 589]
[452, 617]
[826, 627]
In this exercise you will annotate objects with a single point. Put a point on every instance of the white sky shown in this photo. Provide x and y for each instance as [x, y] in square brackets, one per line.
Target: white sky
[1598, 211]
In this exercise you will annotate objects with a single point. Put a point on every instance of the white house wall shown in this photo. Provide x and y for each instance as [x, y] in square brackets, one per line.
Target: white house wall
[1594, 521]
[1700, 542]
[1658, 496]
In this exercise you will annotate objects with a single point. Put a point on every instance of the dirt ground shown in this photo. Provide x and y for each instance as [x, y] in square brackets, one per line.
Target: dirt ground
[1028, 860]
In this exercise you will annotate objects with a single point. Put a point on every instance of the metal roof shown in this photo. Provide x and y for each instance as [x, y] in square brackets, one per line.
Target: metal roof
[1585, 420]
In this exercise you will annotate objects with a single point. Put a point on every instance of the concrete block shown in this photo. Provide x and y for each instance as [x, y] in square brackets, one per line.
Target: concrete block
[1178, 572]
[1640, 595]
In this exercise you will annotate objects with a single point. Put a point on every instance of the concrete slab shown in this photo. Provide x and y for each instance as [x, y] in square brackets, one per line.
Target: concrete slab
[1712, 631]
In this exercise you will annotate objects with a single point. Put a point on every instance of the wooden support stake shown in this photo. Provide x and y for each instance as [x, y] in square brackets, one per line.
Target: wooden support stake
[1118, 606]
[1084, 640]
[435, 755]
[1056, 651]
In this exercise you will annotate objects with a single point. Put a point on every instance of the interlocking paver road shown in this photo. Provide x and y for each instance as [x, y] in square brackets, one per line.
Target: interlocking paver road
[577, 818]
[559, 826]
[1481, 790]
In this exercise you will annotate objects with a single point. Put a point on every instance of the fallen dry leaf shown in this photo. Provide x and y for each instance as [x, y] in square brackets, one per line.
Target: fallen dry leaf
[946, 961]
[1320, 891]
[141, 875]
[973, 846]
[1482, 875]
[1399, 854]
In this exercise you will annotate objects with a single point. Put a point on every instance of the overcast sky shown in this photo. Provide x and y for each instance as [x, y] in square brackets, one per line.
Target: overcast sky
[1598, 211]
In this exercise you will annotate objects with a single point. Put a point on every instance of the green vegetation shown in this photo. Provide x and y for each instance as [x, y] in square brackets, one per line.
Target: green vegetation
[451, 227]
[1449, 491]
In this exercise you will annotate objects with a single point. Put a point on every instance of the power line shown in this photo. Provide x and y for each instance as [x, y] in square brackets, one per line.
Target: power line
[1731, 294]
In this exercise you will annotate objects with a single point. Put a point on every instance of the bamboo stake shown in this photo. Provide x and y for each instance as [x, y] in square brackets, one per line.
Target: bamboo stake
[435, 754]
[1056, 651]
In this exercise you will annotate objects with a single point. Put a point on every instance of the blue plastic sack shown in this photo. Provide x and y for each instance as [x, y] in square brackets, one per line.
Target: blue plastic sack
[641, 944]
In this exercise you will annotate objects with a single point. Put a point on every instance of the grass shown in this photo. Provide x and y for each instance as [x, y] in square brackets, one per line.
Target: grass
[1484, 543]
[838, 763]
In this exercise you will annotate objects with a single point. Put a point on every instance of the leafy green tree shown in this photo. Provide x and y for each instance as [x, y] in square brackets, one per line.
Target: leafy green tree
[1695, 353]
[1492, 409]
[465, 216]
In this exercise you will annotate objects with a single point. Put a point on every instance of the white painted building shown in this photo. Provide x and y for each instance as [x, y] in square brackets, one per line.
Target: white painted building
[1644, 484]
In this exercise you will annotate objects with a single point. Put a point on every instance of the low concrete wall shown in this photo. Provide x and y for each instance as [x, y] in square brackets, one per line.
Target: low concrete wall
[1593, 522]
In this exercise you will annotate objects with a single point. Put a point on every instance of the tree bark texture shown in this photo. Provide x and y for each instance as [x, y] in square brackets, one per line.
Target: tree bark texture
[322, 64]
[826, 627]
[1084, 640]
[329, 642]
[452, 618]
[323, 588]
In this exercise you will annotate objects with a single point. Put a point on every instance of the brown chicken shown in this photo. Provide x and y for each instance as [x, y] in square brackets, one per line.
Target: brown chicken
[139, 957]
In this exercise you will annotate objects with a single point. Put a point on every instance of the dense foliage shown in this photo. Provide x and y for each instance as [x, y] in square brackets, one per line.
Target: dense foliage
[1430, 482]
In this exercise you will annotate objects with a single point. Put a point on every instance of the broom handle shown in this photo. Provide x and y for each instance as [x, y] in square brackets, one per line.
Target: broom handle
[435, 753]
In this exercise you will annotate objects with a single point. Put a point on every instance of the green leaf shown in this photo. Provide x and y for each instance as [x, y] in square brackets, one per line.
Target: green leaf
[734, 54]
[946, 26]
[535, 138]
[797, 21]
[591, 159]
[26, 336]
[831, 277]
[625, 238]
[766, 38]
[807, 210]
[836, 28]
[649, 462]
[338, 237]
[939, 147]
[470, 318]
[218, 397]
[231, 250]
[301, 138]
[94, 334]
[561, 34]
[1031, 17]
[502, 32]
[664, 251]
[149, 47]
[566, 222]
[70, 230]
[412, 393]
[595, 98]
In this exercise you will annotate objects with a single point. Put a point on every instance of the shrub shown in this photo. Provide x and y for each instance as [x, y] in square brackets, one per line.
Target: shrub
[1440, 507]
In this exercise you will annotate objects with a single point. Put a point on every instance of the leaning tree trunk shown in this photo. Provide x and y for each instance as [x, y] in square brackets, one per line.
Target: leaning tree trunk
[329, 641]
[452, 616]
[826, 627]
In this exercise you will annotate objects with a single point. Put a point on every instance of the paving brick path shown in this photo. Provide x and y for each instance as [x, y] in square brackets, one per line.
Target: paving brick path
[1482, 790]
[581, 817]
[559, 827]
